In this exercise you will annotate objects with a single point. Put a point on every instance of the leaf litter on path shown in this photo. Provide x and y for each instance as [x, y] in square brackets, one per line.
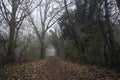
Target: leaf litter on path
[55, 69]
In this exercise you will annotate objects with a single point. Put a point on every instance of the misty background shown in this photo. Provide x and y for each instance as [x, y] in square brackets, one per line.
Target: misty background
[82, 31]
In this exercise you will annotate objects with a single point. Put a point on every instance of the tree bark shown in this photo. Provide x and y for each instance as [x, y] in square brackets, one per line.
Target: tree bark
[42, 47]
[11, 42]
[11, 46]
[110, 38]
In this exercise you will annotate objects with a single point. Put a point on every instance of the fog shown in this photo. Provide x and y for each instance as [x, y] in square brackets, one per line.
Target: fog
[50, 51]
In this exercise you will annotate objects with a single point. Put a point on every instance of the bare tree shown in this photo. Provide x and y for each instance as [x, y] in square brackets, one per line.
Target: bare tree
[14, 13]
[49, 15]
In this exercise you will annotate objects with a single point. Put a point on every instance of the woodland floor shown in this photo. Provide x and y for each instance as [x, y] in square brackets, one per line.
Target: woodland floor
[55, 69]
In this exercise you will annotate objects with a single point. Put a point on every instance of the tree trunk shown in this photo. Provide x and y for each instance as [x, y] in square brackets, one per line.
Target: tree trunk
[42, 50]
[11, 43]
[11, 46]
[105, 56]
[42, 47]
[111, 40]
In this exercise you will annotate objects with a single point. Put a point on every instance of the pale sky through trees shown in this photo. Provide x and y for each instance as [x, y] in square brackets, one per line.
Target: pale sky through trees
[50, 51]
[59, 39]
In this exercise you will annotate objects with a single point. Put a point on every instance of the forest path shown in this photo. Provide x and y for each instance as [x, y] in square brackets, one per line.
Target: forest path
[55, 69]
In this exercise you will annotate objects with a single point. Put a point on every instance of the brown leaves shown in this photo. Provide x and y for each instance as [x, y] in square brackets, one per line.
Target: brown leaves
[55, 69]
[89, 72]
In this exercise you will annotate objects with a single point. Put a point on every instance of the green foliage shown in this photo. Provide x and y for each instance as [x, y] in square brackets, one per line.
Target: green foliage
[87, 35]
[72, 53]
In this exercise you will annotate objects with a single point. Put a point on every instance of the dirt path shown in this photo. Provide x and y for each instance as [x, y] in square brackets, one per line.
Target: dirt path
[55, 69]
